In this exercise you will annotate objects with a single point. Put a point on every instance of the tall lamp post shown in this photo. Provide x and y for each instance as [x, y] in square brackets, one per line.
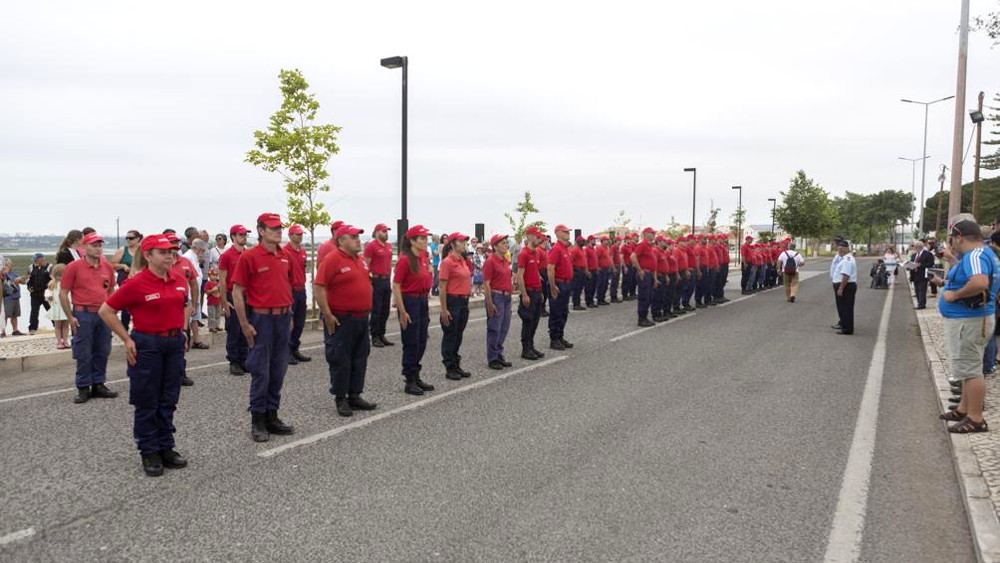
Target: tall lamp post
[923, 173]
[774, 205]
[739, 223]
[403, 224]
[913, 187]
[694, 194]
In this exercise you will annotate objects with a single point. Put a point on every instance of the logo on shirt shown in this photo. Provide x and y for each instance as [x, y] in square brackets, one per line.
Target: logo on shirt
[263, 269]
[181, 288]
[345, 269]
[152, 296]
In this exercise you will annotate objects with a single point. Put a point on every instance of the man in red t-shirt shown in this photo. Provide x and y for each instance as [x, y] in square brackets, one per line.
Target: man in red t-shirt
[746, 265]
[644, 262]
[593, 272]
[603, 251]
[560, 274]
[236, 343]
[616, 268]
[297, 261]
[343, 291]
[529, 282]
[722, 248]
[262, 297]
[498, 286]
[578, 255]
[378, 255]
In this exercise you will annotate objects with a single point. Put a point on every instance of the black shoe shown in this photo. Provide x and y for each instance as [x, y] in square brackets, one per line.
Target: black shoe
[603, 303]
[152, 465]
[661, 319]
[243, 366]
[646, 322]
[836, 327]
[680, 312]
[100, 391]
[529, 355]
[845, 332]
[556, 345]
[579, 308]
[615, 300]
[258, 428]
[377, 342]
[919, 307]
[186, 381]
[453, 374]
[412, 388]
[292, 361]
[505, 363]
[357, 403]
[688, 308]
[537, 353]
[343, 407]
[566, 343]
[300, 356]
[495, 364]
[274, 424]
[545, 313]
[236, 369]
[464, 372]
[711, 303]
[700, 306]
[386, 342]
[955, 400]
[82, 396]
[173, 460]
[425, 386]
[791, 299]
[724, 300]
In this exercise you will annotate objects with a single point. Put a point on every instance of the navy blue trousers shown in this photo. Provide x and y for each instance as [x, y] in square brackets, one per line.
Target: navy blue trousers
[590, 287]
[579, 281]
[414, 336]
[154, 389]
[381, 302]
[614, 278]
[559, 311]
[347, 352]
[530, 315]
[689, 286]
[603, 278]
[298, 319]
[645, 294]
[453, 332]
[659, 296]
[91, 348]
[268, 360]
[236, 344]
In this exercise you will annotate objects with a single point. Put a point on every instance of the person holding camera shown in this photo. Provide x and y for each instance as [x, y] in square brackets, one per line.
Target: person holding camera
[968, 305]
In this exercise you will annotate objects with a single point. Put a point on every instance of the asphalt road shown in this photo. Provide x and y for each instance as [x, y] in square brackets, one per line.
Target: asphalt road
[722, 436]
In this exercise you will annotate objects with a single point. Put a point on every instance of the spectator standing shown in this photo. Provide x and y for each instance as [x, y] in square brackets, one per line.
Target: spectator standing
[122, 261]
[195, 254]
[38, 281]
[924, 259]
[434, 246]
[213, 296]
[216, 252]
[60, 322]
[69, 247]
[478, 260]
[11, 298]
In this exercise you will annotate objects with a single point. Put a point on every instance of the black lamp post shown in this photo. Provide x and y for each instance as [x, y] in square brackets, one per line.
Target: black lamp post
[739, 224]
[403, 224]
[774, 205]
[694, 195]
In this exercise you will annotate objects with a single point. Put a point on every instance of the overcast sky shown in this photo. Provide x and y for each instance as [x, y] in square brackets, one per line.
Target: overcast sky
[146, 110]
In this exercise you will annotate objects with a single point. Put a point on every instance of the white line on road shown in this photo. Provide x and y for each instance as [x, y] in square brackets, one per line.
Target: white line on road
[642, 330]
[17, 536]
[844, 544]
[411, 406]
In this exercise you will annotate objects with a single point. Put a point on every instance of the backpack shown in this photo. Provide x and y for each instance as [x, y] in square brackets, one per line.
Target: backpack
[790, 265]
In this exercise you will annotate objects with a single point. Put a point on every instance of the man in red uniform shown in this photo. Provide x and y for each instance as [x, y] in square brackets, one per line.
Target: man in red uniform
[590, 290]
[711, 255]
[683, 274]
[330, 245]
[560, 275]
[604, 265]
[616, 268]
[746, 258]
[186, 270]
[672, 278]
[544, 244]
[529, 282]
[578, 256]
[343, 291]
[297, 260]
[262, 296]
[660, 293]
[236, 343]
[694, 268]
[722, 249]
[378, 255]
[644, 262]
[89, 281]
[628, 273]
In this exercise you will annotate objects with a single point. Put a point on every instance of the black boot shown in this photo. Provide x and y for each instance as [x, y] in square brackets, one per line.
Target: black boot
[385, 341]
[425, 386]
[566, 343]
[101, 391]
[503, 361]
[82, 395]
[236, 369]
[453, 374]
[300, 356]
[172, 460]
[644, 322]
[412, 388]
[464, 373]
[186, 381]
[537, 353]
[343, 408]
[377, 342]
[357, 403]
[152, 464]
[258, 430]
[274, 425]
[291, 360]
[556, 344]
[529, 355]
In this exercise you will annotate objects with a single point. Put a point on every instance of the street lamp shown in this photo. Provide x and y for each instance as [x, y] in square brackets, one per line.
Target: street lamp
[694, 194]
[913, 185]
[739, 223]
[923, 173]
[403, 224]
[774, 205]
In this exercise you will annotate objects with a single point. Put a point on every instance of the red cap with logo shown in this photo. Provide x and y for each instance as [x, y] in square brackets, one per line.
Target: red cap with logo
[347, 230]
[335, 225]
[581, 239]
[296, 230]
[660, 238]
[92, 238]
[457, 236]
[381, 227]
[417, 231]
[497, 238]
[270, 220]
[236, 229]
[591, 237]
[533, 231]
[648, 230]
[172, 237]
[159, 241]
[560, 228]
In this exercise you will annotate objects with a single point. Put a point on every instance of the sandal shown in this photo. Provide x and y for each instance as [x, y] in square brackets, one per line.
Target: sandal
[953, 416]
[968, 426]
[200, 346]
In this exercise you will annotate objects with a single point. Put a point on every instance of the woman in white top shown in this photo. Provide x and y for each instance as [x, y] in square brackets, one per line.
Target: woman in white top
[891, 259]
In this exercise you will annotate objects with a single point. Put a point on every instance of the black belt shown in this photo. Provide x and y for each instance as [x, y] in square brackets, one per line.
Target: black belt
[165, 334]
[86, 308]
[270, 310]
[354, 314]
[379, 277]
[416, 295]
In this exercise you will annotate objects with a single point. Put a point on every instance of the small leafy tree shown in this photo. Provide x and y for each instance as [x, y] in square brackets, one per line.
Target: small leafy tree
[992, 161]
[676, 229]
[519, 224]
[806, 209]
[739, 219]
[710, 223]
[298, 150]
[622, 222]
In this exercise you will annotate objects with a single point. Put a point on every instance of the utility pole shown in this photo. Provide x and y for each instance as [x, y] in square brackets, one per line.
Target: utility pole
[979, 143]
[937, 224]
[955, 197]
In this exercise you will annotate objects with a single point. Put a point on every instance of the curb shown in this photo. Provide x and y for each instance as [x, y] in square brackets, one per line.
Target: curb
[982, 515]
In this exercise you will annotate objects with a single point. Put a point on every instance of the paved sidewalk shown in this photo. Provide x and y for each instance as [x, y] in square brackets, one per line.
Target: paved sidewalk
[977, 456]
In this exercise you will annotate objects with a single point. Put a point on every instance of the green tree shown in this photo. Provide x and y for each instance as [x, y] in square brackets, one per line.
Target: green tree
[710, 223]
[739, 219]
[992, 161]
[298, 150]
[622, 222]
[677, 229]
[806, 209]
[989, 203]
[519, 224]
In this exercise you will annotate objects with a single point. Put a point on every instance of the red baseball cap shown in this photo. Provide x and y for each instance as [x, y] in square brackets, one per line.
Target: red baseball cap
[533, 231]
[270, 220]
[381, 227]
[562, 228]
[671, 241]
[660, 238]
[92, 238]
[497, 238]
[347, 230]
[336, 225]
[457, 236]
[238, 229]
[296, 230]
[591, 237]
[581, 239]
[648, 230]
[172, 237]
[619, 237]
[417, 231]
[160, 241]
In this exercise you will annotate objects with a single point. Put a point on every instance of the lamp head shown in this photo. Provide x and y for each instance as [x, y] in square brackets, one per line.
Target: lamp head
[394, 62]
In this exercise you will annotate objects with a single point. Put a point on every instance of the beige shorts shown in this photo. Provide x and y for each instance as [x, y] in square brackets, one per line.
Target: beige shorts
[966, 344]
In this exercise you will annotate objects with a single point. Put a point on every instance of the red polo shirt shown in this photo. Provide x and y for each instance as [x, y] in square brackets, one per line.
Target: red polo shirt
[644, 254]
[579, 257]
[325, 249]
[681, 256]
[627, 249]
[616, 256]
[603, 257]
[380, 255]
[712, 255]
[297, 261]
[692, 256]
[591, 254]
[496, 270]
[456, 272]
[661, 260]
[672, 266]
[265, 276]
[413, 283]
[543, 259]
[745, 253]
[184, 269]
[156, 304]
[89, 285]
[723, 253]
[559, 258]
[527, 262]
[227, 263]
[348, 285]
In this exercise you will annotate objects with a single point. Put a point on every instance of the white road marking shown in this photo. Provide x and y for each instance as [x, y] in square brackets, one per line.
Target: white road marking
[844, 544]
[17, 536]
[408, 407]
[644, 329]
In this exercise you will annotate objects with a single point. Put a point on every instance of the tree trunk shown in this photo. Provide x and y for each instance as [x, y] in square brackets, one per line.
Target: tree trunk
[312, 262]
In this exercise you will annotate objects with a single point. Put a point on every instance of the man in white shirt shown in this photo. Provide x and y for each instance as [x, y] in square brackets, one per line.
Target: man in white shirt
[846, 287]
[789, 263]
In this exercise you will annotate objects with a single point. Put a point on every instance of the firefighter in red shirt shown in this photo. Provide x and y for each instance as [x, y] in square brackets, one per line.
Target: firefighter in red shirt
[297, 261]
[746, 260]
[578, 256]
[683, 273]
[660, 293]
[590, 290]
[236, 343]
[560, 275]
[378, 255]
[616, 268]
[604, 265]
[529, 282]
[644, 262]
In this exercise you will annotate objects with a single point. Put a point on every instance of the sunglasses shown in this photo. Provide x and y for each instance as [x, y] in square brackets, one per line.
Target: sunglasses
[130, 237]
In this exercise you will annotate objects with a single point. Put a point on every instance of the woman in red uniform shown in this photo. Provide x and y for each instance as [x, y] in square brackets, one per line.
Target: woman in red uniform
[412, 281]
[454, 289]
[158, 300]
